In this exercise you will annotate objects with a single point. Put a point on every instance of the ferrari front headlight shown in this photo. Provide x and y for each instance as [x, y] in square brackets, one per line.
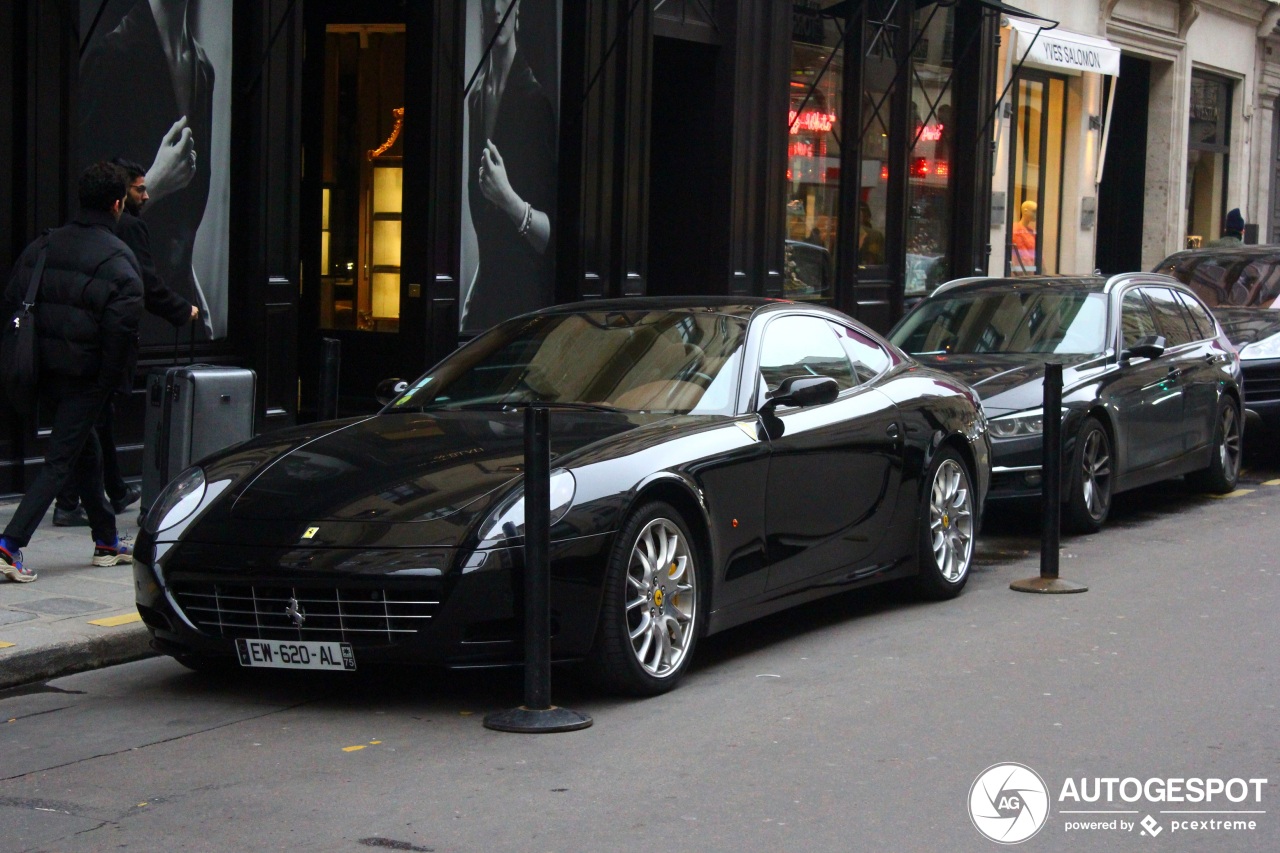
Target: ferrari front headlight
[506, 521]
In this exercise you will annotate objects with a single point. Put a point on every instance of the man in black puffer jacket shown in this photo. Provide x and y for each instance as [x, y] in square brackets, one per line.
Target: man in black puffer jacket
[87, 311]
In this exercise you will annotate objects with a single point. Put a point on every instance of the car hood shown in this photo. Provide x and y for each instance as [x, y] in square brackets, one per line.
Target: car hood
[407, 467]
[1247, 325]
[1011, 382]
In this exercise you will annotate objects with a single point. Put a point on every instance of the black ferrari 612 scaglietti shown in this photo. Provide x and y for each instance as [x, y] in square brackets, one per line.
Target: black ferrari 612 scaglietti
[711, 462]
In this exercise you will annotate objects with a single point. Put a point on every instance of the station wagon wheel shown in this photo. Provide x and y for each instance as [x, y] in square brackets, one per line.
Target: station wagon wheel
[1224, 467]
[1090, 477]
[650, 615]
[947, 535]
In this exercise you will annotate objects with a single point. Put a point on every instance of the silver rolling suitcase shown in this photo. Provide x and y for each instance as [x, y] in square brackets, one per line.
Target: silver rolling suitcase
[192, 411]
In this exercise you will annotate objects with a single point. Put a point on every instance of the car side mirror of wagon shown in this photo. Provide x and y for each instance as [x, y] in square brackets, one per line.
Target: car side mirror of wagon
[803, 391]
[389, 389]
[1151, 346]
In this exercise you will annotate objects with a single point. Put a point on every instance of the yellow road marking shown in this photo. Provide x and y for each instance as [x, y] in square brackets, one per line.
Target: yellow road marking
[1234, 494]
[113, 621]
[4, 645]
[353, 748]
[1272, 483]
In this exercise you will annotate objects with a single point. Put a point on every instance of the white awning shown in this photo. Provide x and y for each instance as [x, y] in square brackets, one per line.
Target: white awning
[1063, 50]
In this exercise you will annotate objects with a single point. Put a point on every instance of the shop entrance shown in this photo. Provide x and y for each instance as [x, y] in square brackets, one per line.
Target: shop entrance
[1124, 178]
[1035, 173]
[352, 200]
[688, 250]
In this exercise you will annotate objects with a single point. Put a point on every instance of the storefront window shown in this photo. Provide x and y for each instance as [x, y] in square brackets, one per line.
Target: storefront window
[930, 163]
[813, 154]
[362, 196]
[1039, 133]
[1207, 158]
[879, 70]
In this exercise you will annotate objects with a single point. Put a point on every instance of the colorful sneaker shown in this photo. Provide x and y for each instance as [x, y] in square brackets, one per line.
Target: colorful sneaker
[11, 565]
[120, 551]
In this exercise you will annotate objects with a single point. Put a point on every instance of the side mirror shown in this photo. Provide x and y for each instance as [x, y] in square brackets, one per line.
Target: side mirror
[803, 391]
[1152, 346]
[389, 389]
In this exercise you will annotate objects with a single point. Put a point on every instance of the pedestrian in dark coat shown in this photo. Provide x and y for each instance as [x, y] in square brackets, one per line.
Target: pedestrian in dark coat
[87, 310]
[159, 300]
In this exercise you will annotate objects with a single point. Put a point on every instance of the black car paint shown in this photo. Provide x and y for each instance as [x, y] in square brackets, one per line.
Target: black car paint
[397, 499]
[1140, 401]
[1243, 324]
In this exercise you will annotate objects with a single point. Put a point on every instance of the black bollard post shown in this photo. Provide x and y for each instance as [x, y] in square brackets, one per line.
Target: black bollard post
[330, 364]
[537, 714]
[1051, 492]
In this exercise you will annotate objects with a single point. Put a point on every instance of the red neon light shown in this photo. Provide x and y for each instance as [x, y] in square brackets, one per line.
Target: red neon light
[920, 167]
[810, 121]
[884, 173]
[931, 133]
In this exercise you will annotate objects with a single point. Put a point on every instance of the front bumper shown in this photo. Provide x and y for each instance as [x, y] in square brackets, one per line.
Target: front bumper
[422, 606]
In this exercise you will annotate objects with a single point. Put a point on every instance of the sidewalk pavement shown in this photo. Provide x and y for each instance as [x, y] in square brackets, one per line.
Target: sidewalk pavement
[74, 617]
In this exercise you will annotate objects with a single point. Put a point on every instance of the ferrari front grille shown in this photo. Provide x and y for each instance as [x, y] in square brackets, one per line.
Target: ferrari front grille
[330, 614]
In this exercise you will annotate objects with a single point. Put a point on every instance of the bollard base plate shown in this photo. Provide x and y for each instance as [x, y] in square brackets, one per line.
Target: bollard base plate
[1047, 586]
[534, 721]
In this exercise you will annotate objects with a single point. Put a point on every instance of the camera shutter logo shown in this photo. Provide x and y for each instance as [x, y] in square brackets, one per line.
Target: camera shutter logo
[1008, 803]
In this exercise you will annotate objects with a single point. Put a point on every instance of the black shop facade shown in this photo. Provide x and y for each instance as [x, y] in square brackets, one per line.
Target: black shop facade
[396, 175]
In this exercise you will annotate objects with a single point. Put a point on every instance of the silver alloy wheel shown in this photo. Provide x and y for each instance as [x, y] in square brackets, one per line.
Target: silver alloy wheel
[951, 521]
[1229, 449]
[662, 601]
[1095, 479]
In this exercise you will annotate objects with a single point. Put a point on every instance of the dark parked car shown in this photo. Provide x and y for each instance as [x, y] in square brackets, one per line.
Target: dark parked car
[1151, 386]
[712, 462]
[1241, 286]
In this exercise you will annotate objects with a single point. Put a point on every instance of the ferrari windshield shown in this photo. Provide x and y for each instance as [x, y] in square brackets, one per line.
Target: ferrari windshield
[678, 361]
[1054, 319]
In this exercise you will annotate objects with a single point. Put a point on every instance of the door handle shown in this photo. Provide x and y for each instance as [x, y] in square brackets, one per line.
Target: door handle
[891, 430]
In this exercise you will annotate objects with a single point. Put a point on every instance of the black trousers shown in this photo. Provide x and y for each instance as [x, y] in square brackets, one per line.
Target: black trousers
[112, 481]
[72, 455]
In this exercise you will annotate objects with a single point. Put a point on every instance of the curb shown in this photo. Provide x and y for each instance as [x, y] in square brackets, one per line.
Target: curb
[56, 660]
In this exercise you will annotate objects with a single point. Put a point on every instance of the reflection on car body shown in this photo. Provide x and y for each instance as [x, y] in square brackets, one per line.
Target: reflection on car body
[1241, 286]
[713, 461]
[1151, 386]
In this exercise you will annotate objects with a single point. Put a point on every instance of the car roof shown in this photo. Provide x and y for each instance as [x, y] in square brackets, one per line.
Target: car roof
[1225, 252]
[1086, 283]
[737, 306]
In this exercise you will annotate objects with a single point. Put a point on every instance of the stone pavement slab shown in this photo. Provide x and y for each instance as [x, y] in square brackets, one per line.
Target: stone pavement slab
[75, 616]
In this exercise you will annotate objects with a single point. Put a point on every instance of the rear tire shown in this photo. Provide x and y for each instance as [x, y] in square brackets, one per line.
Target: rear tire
[1089, 501]
[1224, 469]
[947, 536]
[651, 613]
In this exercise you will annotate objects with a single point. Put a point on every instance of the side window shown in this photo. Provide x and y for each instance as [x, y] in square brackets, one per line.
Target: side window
[1200, 317]
[868, 357]
[1171, 319]
[1207, 278]
[1136, 321]
[802, 346]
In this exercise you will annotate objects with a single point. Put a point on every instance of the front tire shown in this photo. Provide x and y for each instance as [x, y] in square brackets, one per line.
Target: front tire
[1092, 465]
[947, 537]
[650, 616]
[1224, 469]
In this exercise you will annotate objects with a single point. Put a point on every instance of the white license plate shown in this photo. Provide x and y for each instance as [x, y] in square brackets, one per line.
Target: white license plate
[287, 654]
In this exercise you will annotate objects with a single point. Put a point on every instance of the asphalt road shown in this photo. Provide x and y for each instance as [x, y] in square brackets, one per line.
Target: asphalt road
[859, 723]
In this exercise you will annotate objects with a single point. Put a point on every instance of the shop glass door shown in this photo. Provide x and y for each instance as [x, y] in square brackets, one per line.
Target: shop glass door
[1035, 176]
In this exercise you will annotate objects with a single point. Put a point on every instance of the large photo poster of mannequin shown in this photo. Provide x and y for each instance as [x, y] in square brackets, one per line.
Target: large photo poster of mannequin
[154, 89]
[511, 116]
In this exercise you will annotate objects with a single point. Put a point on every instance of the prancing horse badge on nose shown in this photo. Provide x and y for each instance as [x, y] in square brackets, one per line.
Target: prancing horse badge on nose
[311, 531]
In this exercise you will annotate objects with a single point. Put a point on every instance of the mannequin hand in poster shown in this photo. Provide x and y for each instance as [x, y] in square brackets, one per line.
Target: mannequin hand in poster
[175, 162]
[532, 224]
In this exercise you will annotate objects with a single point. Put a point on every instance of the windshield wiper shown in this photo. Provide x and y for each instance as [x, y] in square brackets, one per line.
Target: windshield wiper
[590, 407]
